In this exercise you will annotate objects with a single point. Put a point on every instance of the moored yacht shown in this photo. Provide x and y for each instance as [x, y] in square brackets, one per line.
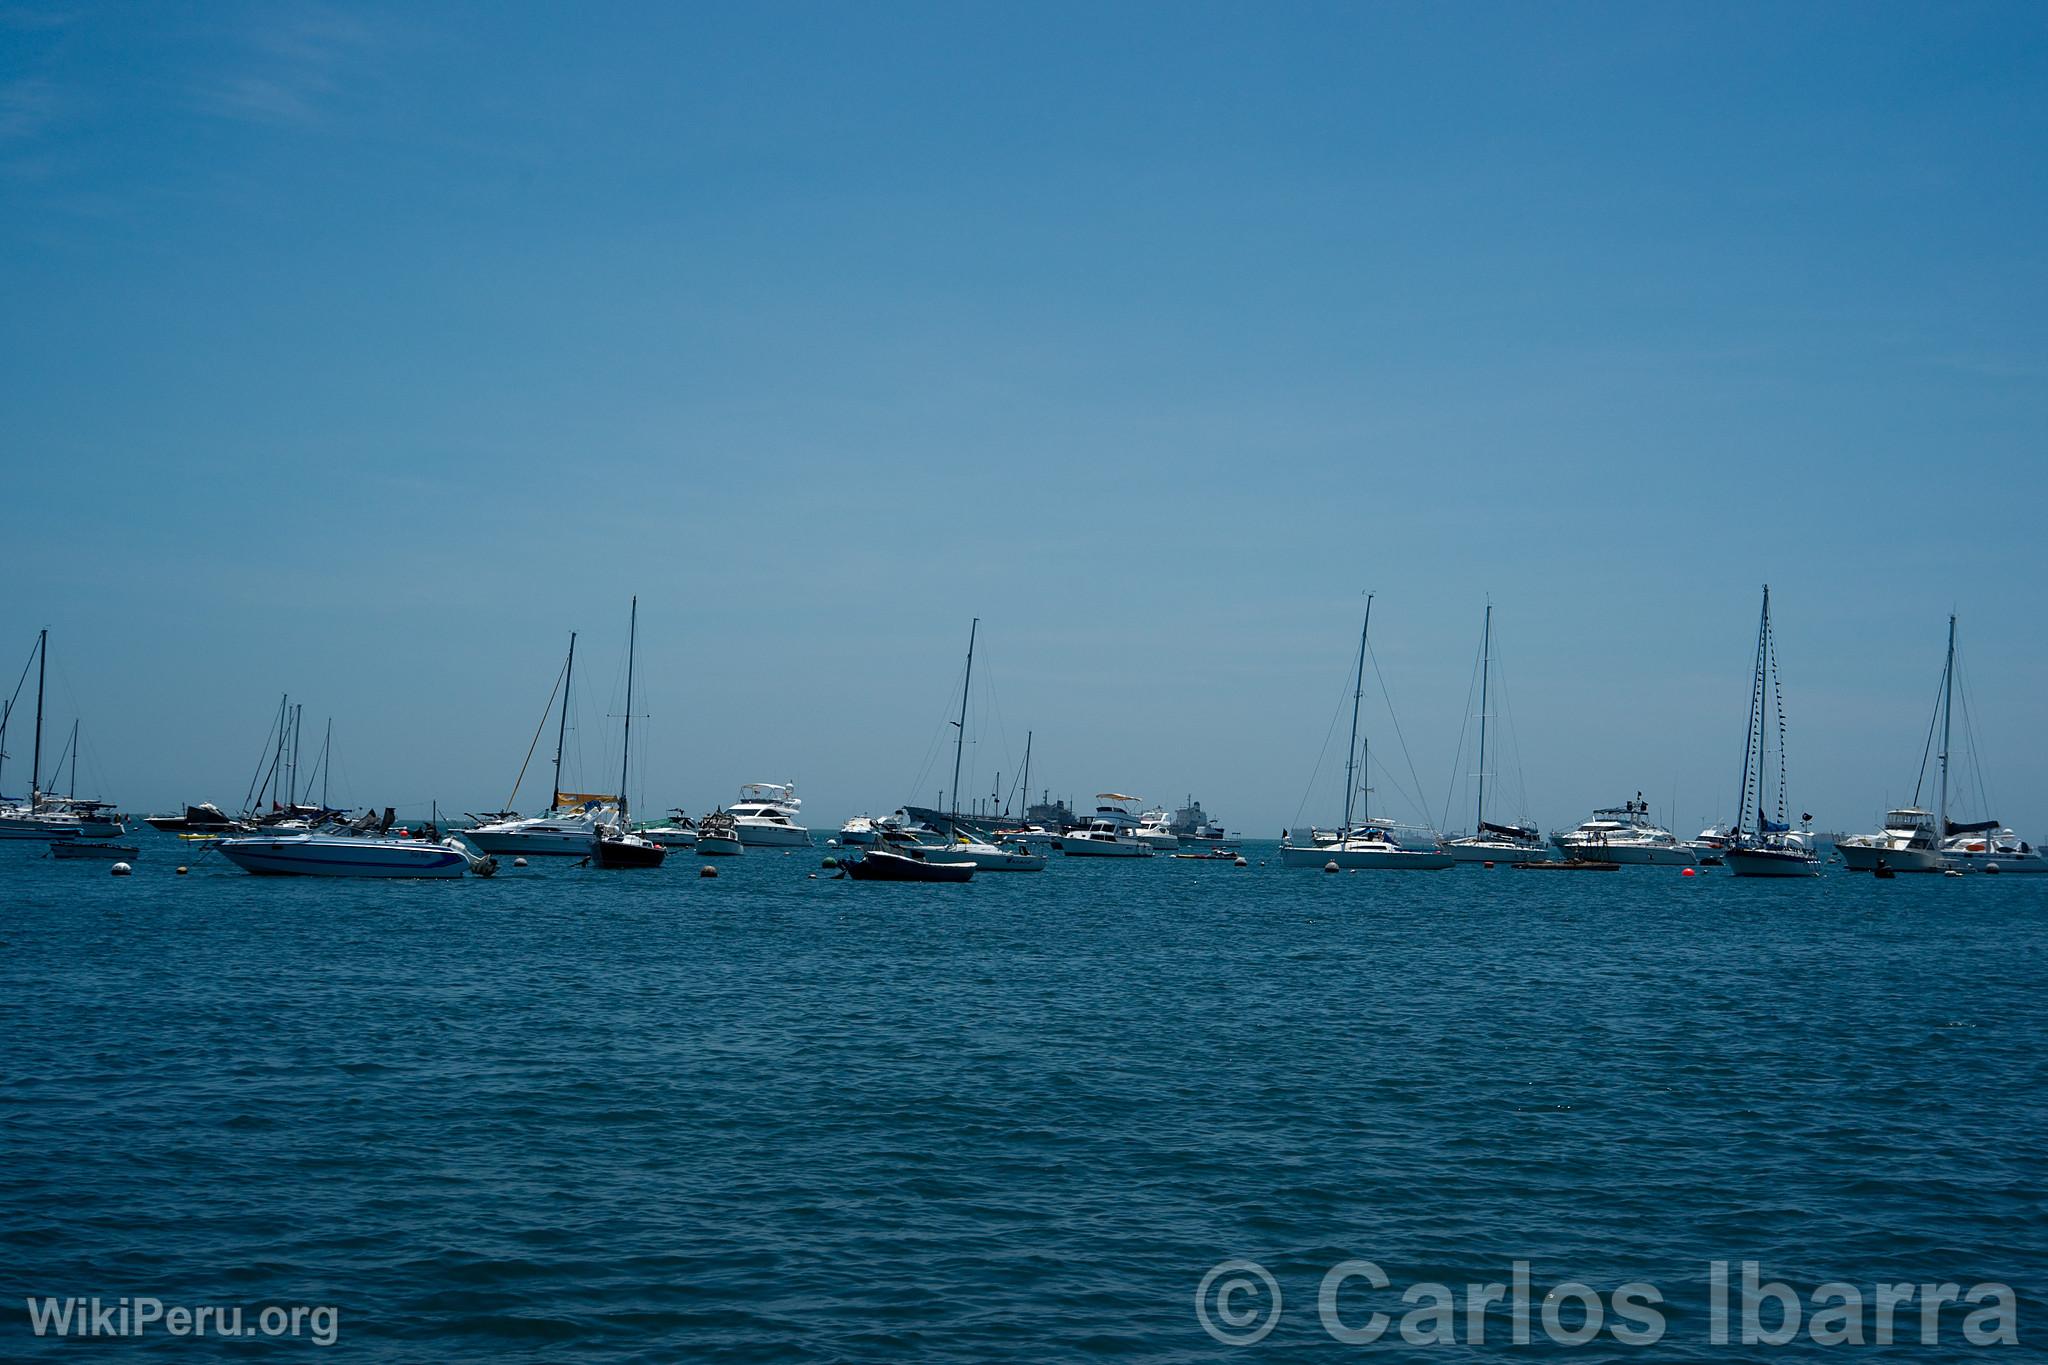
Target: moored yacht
[765, 816]
[357, 850]
[1368, 844]
[678, 831]
[1770, 847]
[1112, 833]
[1155, 831]
[1905, 844]
[1490, 840]
[569, 827]
[1625, 834]
[716, 837]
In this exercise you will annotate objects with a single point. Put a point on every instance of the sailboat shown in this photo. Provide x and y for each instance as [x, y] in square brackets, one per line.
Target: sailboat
[1976, 845]
[1364, 842]
[617, 846]
[569, 826]
[42, 815]
[1767, 847]
[1489, 842]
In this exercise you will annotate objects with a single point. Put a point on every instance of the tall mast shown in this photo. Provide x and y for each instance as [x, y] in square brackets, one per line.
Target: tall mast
[298, 721]
[74, 757]
[326, 765]
[960, 739]
[1752, 737]
[35, 772]
[562, 734]
[1025, 785]
[1485, 672]
[1357, 694]
[626, 747]
[1948, 696]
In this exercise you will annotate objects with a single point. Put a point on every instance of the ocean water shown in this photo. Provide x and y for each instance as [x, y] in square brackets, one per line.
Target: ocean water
[565, 1114]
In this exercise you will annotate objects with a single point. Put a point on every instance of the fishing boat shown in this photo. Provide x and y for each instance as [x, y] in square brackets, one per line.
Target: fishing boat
[43, 815]
[716, 837]
[569, 826]
[765, 816]
[1360, 842]
[1625, 834]
[617, 846]
[352, 851]
[1762, 846]
[1491, 841]
[859, 832]
[1906, 843]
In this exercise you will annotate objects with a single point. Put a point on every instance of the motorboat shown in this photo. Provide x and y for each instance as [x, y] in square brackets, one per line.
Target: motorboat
[1030, 838]
[204, 818]
[1764, 845]
[566, 833]
[1710, 844]
[859, 832]
[1625, 834]
[676, 833]
[1906, 843]
[765, 816]
[716, 837]
[47, 817]
[961, 849]
[348, 852]
[889, 865]
[1155, 831]
[1369, 844]
[1111, 833]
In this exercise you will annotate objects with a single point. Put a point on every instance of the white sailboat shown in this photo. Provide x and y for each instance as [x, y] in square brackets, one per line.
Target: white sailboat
[1978, 845]
[1767, 847]
[1363, 843]
[44, 815]
[1491, 842]
[568, 828]
[957, 847]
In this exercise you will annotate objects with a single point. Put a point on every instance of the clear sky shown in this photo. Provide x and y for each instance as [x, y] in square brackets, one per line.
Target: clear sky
[365, 352]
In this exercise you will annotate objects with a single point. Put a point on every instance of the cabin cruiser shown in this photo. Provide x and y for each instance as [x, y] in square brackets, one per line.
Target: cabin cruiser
[717, 838]
[1030, 838]
[566, 832]
[61, 817]
[1711, 844]
[1905, 844]
[675, 832]
[355, 850]
[765, 816]
[1112, 833]
[859, 832]
[1988, 846]
[1498, 843]
[1369, 843]
[1155, 831]
[1625, 834]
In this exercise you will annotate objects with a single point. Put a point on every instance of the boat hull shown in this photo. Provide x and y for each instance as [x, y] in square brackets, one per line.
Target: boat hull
[628, 853]
[1635, 855]
[879, 865]
[2003, 862]
[298, 856]
[1495, 853]
[1770, 862]
[1864, 858]
[1369, 859]
[1075, 846]
[719, 846]
[563, 843]
[771, 835]
[47, 827]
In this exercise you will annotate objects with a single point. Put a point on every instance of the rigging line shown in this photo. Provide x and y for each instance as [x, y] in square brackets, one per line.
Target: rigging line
[512, 801]
[1927, 750]
[1514, 736]
[1985, 810]
[1458, 755]
[1328, 735]
[1423, 805]
[1406, 795]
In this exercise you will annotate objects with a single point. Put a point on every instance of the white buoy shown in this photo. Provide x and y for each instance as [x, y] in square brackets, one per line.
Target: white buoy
[519, 862]
[1330, 866]
[182, 869]
[707, 871]
[1239, 863]
[831, 843]
[1991, 867]
[121, 869]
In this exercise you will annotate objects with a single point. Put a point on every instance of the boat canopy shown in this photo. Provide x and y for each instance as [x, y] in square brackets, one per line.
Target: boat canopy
[1506, 831]
[574, 800]
[1971, 827]
[1115, 796]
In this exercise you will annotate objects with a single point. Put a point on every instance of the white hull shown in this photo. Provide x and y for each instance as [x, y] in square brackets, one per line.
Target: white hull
[1374, 859]
[1471, 851]
[769, 834]
[2004, 862]
[1751, 862]
[985, 857]
[676, 840]
[719, 846]
[309, 855]
[1635, 855]
[1077, 846]
[47, 827]
[548, 843]
[1863, 858]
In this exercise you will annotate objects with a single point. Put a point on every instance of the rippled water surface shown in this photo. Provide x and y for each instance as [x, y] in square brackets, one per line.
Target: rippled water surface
[619, 1116]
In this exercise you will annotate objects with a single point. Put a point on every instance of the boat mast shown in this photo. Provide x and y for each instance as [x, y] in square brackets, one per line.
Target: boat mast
[326, 767]
[626, 746]
[298, 720]
[1025, 785]
[1351, 751]
[35, 772]
[562, 734]
[74, 758]
[1752, 748]
[1485, 672]
[1948, 696]
[960, 739]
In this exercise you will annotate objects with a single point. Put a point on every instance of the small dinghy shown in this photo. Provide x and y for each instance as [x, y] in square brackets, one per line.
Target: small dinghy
[93, 848]
[880, 865]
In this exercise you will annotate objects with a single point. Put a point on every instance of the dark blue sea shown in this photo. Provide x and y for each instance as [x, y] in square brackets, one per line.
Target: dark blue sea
[573, 1115]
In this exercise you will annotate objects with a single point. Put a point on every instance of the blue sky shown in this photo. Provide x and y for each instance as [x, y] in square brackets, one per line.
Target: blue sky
[365, 352]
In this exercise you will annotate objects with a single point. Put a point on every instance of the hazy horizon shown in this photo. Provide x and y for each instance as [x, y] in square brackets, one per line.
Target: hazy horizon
[363, 354]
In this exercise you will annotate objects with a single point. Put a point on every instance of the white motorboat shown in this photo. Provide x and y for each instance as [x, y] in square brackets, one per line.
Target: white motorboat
[1625, 834]
[1905, 844]
[1490, 841]
[1112, 833]
[1764, 846]
[677, 832]
[1369, 844]
[716, 837]
[1362, 842]
[1711, 844]
[1155, 831]
[985, 856]
[1030, 838]
[765, 816]
[859, 832]
[347, 853]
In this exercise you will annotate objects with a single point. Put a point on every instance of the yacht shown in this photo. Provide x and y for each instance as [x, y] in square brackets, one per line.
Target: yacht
[765, 816]
[1905, 844]
[858, 832]
[1155, 831]
[1990, 847]
[204, 818]
[1362, 842]
[716, 837]
[1710, 845]
[985, 856]
[1112, 833]
[1625, 834]
[1491, 841]
[1770, 847]
[352, 851]
[1369, 844]
[561, 833]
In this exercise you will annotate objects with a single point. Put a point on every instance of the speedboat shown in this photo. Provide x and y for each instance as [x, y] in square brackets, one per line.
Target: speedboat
[1030, 838]
[1372, 844]
[1155, 831]
[765, 816]
[1712, 844]
[716, 837]
[348, 853]
[1905, 844]
[676, 832]
[1625, 834]
[858, 832]
[566, 833]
